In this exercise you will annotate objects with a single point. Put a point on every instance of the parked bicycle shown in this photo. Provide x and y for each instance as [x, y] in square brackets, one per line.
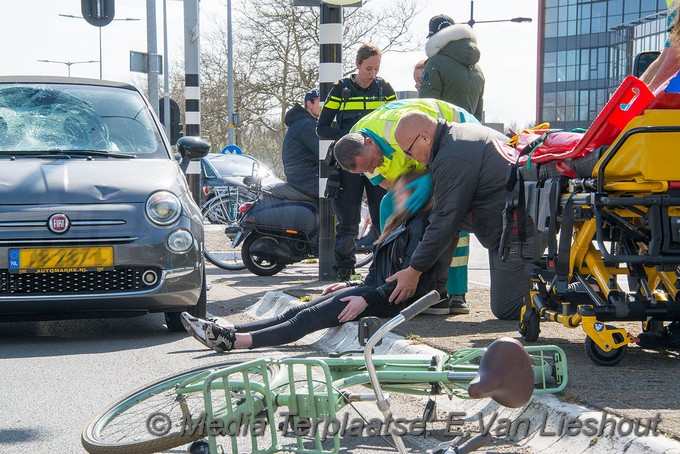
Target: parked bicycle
[240, 398]
[220, 223]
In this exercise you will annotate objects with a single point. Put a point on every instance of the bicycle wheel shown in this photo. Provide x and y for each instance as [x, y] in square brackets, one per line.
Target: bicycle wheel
[127, 425]
[219, 221]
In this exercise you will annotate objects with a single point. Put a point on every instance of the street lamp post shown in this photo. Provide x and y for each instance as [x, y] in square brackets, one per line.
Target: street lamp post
[68, 63]
[472, 20]
[126, 19]
[230, 78]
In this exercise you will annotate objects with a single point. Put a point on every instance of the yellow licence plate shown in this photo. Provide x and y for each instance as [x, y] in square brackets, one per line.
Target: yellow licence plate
[61, 260]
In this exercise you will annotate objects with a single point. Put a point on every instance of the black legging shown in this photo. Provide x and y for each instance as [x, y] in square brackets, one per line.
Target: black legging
[319, 313]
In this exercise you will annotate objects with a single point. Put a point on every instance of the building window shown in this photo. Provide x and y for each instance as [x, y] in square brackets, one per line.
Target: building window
[583, 106]
[631, 10]
[587, 51]
[584, 19]
[599, 17]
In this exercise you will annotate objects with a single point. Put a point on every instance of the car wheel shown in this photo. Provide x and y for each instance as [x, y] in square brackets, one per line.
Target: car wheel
[201, 307]
[173, 320]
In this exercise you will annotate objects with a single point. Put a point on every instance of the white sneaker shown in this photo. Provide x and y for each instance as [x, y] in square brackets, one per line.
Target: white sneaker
[196, 327]
[219, 338]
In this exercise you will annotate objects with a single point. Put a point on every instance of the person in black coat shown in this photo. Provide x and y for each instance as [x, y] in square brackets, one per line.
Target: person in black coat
[300, 152]
[350, 99]
[469, 180]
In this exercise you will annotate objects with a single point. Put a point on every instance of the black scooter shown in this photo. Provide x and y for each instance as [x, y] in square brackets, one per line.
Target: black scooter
[276, 232]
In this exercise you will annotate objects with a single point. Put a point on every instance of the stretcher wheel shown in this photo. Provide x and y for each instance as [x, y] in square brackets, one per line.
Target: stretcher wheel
[602, 358]
[530, 327]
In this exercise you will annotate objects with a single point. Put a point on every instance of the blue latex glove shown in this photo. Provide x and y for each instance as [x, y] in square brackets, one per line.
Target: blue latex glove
[422, 191]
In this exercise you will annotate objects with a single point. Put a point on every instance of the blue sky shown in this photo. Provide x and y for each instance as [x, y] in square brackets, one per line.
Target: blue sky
[32, 30]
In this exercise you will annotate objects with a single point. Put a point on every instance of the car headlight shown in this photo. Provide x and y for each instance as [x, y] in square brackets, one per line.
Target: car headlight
[163, 208]
[180, 240]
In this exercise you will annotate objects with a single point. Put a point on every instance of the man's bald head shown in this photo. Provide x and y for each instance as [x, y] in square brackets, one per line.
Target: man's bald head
[416, 120]
[415, 134]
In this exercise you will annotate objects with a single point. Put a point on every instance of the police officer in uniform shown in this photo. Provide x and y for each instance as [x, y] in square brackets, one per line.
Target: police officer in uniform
[350, 99]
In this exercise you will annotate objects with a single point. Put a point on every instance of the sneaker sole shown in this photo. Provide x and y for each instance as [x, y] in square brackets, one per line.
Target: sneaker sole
[459, 311]
[192, 332]
[432, 311]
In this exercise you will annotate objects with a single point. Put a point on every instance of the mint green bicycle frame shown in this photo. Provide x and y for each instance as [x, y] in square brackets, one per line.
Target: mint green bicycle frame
[324, 388]
[314, 389]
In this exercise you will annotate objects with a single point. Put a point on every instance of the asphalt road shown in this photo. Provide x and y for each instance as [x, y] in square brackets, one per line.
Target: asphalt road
[57, 375]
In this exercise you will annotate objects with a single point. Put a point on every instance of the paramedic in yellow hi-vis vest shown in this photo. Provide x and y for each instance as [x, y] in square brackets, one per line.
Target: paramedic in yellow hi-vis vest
[382, 161]
[349, 100]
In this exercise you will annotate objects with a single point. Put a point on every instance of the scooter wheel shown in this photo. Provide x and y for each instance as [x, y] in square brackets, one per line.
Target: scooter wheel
[258, 263]
[602, 358]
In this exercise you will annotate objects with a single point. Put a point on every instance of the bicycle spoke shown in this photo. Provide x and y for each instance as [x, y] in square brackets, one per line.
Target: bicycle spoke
[220, 215]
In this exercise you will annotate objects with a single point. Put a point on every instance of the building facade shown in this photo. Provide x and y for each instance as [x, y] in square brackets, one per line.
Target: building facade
[586, 48]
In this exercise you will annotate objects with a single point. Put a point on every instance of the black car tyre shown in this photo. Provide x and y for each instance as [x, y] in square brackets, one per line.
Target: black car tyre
[173, 320]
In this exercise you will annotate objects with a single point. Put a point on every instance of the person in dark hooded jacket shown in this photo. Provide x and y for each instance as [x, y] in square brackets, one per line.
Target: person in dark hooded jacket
[341, 302]
[300, 152]
[452, 72]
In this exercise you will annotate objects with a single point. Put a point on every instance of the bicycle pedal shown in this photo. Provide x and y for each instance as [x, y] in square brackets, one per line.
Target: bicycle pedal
[367, 328]
[430, 413]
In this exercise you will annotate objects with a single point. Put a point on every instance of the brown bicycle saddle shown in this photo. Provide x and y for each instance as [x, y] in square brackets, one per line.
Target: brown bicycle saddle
[505, 374]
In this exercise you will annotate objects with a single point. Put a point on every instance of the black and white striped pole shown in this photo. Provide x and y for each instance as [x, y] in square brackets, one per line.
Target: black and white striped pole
[192, 114]
[330, 71]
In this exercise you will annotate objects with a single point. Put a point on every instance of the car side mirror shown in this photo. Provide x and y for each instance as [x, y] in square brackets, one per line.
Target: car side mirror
[643, 60]
[192, 148]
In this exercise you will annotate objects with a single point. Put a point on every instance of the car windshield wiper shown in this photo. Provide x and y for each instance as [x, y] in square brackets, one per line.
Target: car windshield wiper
[70, 153]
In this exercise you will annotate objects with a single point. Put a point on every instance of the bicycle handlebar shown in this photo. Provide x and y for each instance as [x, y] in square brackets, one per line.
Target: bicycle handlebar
[420, 305]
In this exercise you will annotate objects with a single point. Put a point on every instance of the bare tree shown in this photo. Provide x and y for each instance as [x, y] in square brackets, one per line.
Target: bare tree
[276, 55]
[281, 42]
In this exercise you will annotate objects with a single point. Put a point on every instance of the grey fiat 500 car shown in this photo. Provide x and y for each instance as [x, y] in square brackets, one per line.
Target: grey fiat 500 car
[96, 217]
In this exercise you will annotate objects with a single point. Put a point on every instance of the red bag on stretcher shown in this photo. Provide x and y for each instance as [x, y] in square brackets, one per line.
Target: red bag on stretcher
[532, 147]
[630, 100]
